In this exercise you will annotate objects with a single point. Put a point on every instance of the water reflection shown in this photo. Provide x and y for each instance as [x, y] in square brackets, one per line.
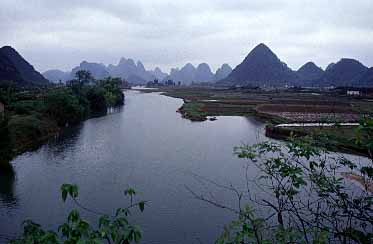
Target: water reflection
[7, 189]
[67, 139]
[146, 145]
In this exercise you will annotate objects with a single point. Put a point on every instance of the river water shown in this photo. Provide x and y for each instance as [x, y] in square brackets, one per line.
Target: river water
[145, 145]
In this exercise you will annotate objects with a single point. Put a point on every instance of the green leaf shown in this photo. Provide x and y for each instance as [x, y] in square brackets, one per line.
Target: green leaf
[130, 192]
[74, 216]
[64, 195]
[137, 235]
[104, 221]
[141, 206]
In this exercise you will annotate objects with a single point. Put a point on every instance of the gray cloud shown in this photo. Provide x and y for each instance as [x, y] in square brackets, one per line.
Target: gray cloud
[60, 34]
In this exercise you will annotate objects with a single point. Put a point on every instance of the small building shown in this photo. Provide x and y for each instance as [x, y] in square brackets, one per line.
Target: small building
[169, 83]
[2, 110]
[353, 93]
[125, 84]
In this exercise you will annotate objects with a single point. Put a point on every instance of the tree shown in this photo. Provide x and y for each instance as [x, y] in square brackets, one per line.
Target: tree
[84, 77]
[115, 228]
[64, 107]
[304, 195]
[113, 93]
[97, 100]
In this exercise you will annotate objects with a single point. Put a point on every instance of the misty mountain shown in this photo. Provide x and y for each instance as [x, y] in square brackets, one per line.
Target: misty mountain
[261, 67]
[15, 68]
[188, 74]
[222, 72]
[346, 72]
[158, 73]
[56, 75]
[203, 73]
[98, 71]
[185, 75]
[131, 71]
[135, 79]
[126, 69]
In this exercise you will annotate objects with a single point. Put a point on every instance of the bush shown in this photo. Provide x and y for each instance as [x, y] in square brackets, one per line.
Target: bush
[96, 99]
[27, 106]
[5, 147]
[306, 196]
[26, 130]
[65, 108]
[113, 93]
[112, 228]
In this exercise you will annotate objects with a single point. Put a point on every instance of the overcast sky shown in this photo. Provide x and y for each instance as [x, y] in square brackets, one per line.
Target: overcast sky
[62, 33]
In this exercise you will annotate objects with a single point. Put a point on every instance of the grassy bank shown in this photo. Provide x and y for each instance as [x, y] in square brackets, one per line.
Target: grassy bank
[203, 102]
[340, 139]
[32, 117]
[276, 107]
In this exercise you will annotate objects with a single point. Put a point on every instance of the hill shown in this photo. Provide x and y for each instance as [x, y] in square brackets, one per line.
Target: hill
[222, 72]
[346, 72]
[55, 75]
[97, 70]
[14, 67]
[261, 67]
[310, 71]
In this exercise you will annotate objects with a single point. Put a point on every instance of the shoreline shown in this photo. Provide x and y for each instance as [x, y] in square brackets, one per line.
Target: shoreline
[204, 104]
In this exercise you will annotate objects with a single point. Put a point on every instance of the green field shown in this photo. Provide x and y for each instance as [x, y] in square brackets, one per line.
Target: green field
[279, 106]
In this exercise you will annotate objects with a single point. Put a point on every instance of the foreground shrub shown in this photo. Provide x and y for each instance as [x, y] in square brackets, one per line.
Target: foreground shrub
[112, 228]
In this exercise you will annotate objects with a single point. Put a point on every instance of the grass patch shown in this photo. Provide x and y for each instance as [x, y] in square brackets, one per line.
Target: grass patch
[29, 130]
[194, 111]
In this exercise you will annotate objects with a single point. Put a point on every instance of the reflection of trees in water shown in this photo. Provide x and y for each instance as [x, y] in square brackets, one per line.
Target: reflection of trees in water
[65, 140]
[7, 188]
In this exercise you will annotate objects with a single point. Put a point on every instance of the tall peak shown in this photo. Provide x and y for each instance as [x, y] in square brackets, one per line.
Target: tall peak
[203, 66]
[262, 49]
[189, 65]
[261, 67]
[226, 66]
[140, 65]
[309, 66]
[8, 48]
[122, 60]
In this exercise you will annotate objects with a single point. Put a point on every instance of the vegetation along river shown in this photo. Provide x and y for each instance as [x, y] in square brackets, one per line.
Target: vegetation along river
[145, 145]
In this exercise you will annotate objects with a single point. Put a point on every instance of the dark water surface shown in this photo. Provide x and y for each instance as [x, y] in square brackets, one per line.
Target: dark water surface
[145, 145]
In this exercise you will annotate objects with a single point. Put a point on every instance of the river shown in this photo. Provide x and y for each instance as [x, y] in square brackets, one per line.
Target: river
[145, 145]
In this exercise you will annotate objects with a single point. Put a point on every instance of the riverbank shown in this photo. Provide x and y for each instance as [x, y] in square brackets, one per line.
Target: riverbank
[279, 107]
[272, 106]
[338, 138]
[146, 144]
[33, 117]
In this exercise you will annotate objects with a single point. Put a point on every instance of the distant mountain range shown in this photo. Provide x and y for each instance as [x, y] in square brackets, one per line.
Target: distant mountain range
[13, 67]
[263, 68]
[136, 73]
[189, 74]
[55, 75]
